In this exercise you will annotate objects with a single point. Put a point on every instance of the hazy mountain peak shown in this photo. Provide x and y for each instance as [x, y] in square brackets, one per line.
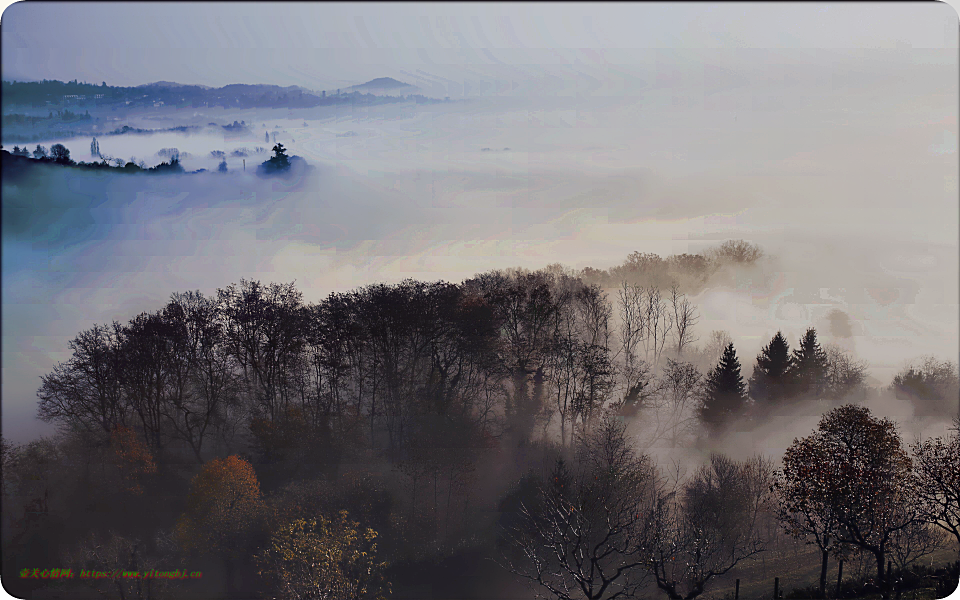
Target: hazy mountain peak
[383, 83]
[172, 84]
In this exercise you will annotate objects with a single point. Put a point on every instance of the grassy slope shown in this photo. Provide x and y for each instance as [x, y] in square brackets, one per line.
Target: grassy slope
[797, 569]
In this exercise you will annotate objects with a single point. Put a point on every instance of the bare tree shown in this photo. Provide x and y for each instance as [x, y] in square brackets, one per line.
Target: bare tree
[659, 323]
[595, 313]
[86, 391]
[845, 374]
[678, 392]
[636, 374]
[684, 316]
[710, 525]
[913, 542]
[735, 251]
[708, 356]
[937, 471]
[264, 331]
[932, 386]
[206, 389]
[630, 301]
[586, 535]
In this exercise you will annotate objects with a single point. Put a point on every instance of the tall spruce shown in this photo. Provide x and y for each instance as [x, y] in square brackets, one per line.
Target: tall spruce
[769, 384]
[809, 372]
[724, 393]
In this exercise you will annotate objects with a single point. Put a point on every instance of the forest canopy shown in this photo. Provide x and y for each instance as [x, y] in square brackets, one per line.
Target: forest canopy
[364, 429]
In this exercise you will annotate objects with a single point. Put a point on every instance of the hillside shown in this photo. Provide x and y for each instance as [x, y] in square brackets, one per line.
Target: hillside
[384, 86]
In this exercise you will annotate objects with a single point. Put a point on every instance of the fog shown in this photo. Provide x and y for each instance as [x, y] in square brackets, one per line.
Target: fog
[554, 137]
[851, 193]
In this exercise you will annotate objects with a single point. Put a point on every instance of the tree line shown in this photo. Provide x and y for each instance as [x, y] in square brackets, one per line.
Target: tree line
[58, 154]
[42, 93]
[413, 406]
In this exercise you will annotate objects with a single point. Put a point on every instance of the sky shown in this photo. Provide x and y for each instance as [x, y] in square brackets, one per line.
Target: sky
[325, 45]
[826, 133]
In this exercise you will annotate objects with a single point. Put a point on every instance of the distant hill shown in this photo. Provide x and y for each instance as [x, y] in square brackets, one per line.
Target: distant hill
[382, 82]
[384, 86]
[172, 84]
[71, 102]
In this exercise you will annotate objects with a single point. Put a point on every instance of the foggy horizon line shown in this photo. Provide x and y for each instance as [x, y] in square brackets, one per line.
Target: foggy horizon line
[169, 82]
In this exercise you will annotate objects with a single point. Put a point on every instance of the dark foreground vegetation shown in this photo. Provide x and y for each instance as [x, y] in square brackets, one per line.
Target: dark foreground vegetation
[472, 440]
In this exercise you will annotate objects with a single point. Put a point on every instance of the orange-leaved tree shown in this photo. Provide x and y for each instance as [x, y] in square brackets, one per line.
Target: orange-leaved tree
[223, 507]
[325, 558]
[132, 457]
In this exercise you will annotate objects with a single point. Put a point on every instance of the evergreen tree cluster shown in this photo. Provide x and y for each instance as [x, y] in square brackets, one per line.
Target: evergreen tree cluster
[781, 378]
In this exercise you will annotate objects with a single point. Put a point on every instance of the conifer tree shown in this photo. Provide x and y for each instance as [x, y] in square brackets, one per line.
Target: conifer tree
[809, 372]
[724, 392]
[769, 383]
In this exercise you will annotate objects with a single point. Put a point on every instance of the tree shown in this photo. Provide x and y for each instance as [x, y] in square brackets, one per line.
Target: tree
[709, 525]
[724, 392]
[86, 392]
[845, 374]
[223, 505]
[278, 162]
[931, 386]
[223, 165]
[205, 398]
[322, 558]
[708, 356]
[684, 316]
[795, 484]
[40, 152]
[113, 554]
[736, 251]
[95, 147]
[280, 156]
[60, 154]
[264, 329]
[850, 480]
[678, 388]
[636, 373]
[527, 310]
[586, 533]
[770, 378]
[810, 369]
[132, 457]
[937, 468]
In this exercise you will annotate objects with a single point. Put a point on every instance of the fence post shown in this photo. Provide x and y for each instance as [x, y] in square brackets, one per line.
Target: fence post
[736, 594]
[776, 588]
